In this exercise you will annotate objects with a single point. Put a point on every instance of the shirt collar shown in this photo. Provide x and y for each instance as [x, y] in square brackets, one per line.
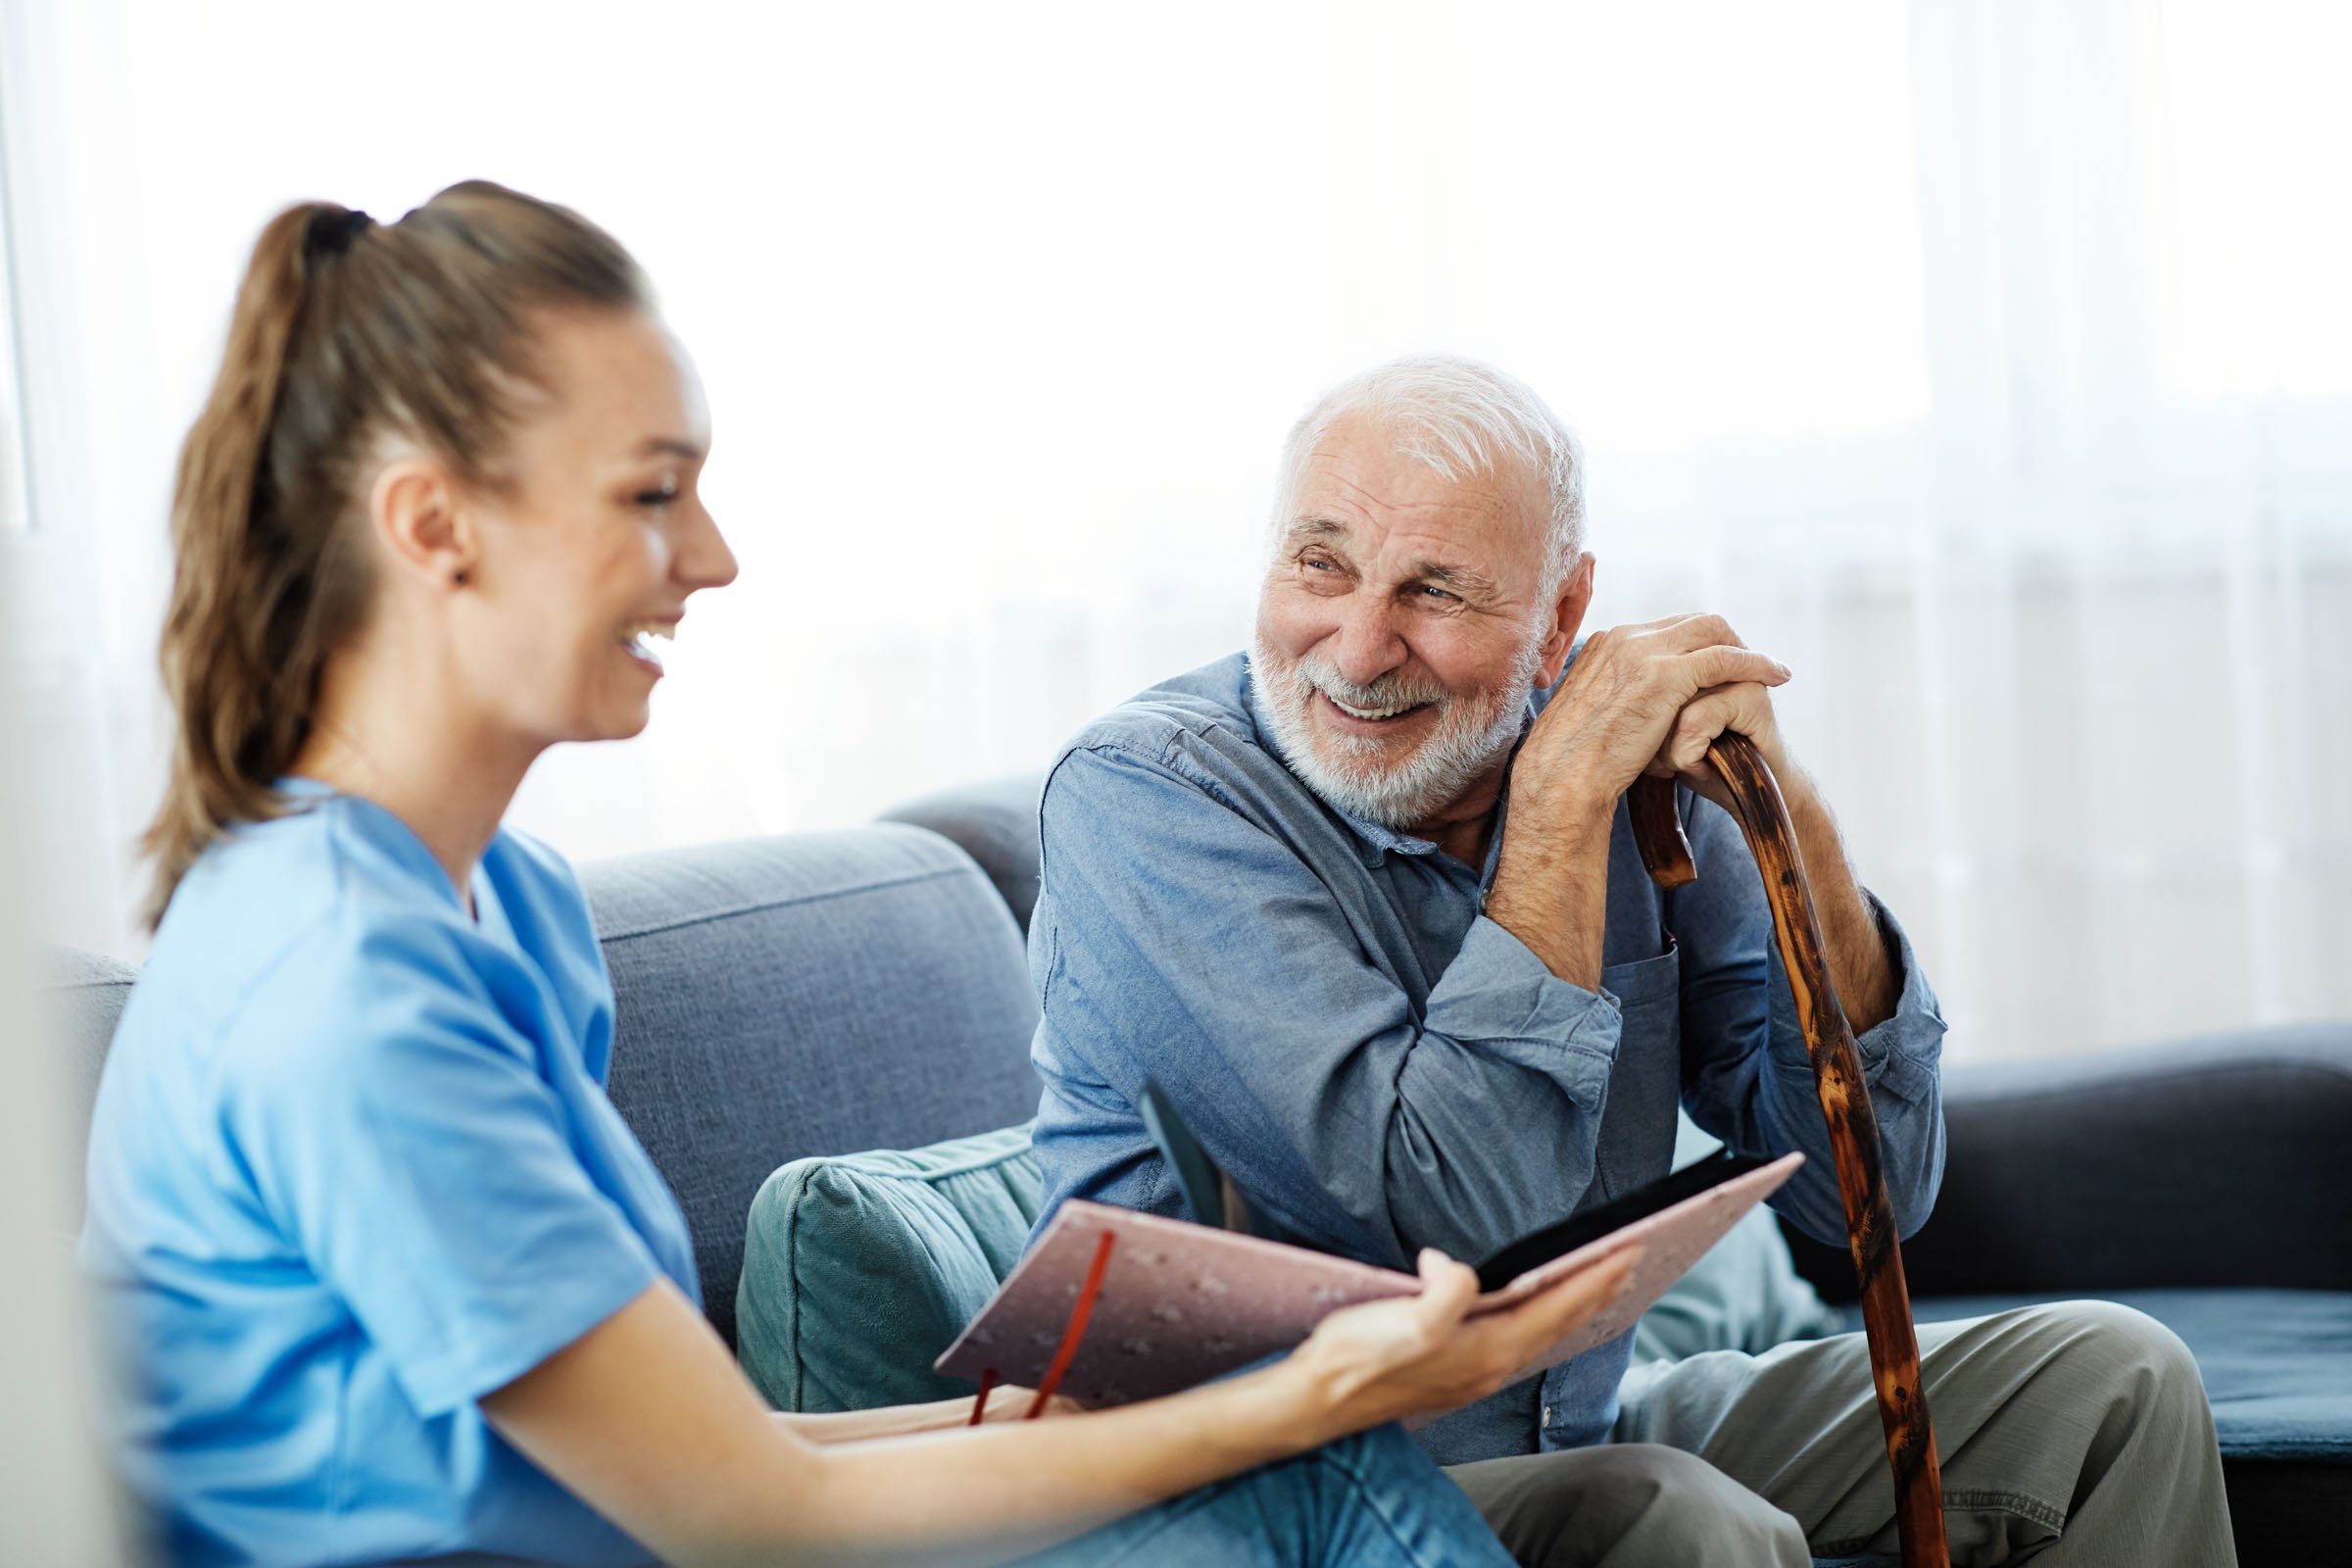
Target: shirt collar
[1380, 841]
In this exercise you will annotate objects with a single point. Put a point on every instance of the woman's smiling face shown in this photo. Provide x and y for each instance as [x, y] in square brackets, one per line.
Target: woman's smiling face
[591, 546]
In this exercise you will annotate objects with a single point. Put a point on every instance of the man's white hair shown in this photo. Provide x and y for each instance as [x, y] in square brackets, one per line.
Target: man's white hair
[1460, 418]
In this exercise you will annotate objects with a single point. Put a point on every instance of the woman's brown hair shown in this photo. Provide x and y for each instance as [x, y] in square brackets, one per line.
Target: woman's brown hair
[344, 332]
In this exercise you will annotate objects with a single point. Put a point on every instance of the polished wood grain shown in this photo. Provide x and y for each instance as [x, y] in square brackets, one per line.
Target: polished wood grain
[1854, 1129]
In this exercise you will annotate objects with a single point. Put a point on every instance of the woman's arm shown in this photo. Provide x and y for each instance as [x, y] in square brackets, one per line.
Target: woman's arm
[648, 1419]
[1004, 1403]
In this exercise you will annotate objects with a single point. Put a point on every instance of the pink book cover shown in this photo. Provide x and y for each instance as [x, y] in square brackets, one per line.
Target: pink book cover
[1181, 1304]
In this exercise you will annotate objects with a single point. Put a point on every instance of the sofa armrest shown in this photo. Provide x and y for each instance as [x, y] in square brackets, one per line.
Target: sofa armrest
[2223, 1159]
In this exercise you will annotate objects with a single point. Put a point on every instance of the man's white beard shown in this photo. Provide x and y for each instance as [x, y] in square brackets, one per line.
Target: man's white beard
[1354, 772]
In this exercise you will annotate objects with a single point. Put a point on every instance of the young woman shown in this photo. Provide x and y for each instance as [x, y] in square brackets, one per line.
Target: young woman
[392, 1278]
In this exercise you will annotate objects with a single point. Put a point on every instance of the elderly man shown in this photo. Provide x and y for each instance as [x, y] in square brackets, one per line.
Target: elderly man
[1366, 901]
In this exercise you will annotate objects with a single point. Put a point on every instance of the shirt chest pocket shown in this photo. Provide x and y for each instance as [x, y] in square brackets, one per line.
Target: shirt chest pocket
[1637, 1124]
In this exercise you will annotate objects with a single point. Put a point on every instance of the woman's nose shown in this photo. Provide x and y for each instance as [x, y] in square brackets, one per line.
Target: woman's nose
[702, 558]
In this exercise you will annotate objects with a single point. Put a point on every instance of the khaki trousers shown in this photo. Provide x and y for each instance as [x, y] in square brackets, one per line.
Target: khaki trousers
[2070, 1436]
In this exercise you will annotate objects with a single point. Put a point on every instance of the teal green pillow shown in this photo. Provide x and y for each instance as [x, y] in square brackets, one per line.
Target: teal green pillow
[859, 1269]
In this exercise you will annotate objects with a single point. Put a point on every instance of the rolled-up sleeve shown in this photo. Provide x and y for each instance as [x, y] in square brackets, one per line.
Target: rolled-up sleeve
[1183, 941]
[1747, 1076]
[395, 1128]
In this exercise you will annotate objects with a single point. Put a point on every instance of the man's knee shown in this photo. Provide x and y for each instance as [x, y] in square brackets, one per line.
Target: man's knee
[1627, 1502]
[2127, 1355]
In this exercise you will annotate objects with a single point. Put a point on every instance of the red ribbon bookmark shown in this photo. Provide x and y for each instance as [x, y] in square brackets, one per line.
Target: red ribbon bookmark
[988, 1386]
[1068, 1350]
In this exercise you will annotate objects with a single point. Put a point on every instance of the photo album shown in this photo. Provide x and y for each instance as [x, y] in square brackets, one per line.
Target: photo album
[1114, 1305]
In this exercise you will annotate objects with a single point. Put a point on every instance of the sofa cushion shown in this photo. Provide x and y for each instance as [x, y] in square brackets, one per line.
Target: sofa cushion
[812, 994]
[2276, 1363]
[2278, 1370]
[858, 1272]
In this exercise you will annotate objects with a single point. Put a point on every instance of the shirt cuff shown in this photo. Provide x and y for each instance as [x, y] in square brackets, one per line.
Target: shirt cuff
[1899, 1052]
[1497, 995]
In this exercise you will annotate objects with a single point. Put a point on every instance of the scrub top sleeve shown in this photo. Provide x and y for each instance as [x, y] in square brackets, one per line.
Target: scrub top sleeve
[398, 1131]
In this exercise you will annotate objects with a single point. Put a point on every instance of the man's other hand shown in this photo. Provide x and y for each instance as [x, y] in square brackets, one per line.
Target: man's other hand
[1649, 698]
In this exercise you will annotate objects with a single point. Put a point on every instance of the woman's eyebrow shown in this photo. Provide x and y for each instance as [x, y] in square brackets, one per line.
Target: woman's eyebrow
[671, 446]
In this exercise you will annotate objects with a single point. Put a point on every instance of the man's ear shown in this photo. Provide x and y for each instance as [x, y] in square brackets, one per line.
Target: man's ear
[413, 508]
[1567, 616]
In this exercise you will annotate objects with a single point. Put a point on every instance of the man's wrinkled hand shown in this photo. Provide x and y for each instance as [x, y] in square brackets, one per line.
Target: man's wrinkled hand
[1649, 698]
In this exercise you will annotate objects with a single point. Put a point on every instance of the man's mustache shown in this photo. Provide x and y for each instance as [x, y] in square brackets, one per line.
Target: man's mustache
[1398, 691]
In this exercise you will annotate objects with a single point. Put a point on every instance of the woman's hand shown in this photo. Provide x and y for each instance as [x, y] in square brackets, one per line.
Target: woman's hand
[1006, 1402]
[1422, 1356]
[648, 1419]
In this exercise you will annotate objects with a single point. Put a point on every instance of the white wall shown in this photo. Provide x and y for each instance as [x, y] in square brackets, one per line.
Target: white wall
[55, 1501]
[1984, 363]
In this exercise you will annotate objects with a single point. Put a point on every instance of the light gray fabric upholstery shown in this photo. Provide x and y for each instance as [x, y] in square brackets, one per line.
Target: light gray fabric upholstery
[84, 994]
[816, 993]
[995, 824]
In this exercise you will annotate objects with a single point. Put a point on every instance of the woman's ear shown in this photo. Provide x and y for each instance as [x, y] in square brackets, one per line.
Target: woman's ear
[1567, 616]
[413, 509]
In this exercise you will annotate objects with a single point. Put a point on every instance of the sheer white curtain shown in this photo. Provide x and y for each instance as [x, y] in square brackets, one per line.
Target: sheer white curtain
[1988, 364]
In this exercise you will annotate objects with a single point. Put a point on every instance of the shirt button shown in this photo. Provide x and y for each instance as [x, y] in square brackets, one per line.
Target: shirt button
[1548, 1415]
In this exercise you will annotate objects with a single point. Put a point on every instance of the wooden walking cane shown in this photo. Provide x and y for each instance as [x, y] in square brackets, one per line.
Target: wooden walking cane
[1854, 1129]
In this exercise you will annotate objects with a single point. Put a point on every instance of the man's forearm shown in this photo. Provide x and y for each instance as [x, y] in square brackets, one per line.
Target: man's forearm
[1862, 966]
[1551, 882]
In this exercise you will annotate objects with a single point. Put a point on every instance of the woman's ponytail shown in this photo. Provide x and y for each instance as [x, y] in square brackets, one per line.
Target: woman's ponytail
[220, 668]
[342, 331]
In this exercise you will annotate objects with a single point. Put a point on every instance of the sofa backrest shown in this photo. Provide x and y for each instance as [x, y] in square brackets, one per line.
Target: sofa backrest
[995, 823]
[777, 998]
[812, 994]
[2216, 1159]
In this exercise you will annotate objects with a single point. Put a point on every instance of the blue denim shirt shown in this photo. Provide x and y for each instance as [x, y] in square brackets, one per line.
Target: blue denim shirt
[1378, 1065]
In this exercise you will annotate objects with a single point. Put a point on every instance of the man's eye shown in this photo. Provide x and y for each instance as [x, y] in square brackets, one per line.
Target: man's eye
[661, 496]
[1436, 593]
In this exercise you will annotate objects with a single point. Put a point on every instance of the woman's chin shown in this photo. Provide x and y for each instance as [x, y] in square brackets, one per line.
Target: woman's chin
[616, 722]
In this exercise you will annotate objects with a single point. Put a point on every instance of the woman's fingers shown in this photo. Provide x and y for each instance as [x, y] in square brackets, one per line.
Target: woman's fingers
[1423, 1354]
[1447, 1289]
[1510, 1338]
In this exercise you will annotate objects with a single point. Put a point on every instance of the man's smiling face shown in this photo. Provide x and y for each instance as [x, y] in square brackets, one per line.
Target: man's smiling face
[1404, 620]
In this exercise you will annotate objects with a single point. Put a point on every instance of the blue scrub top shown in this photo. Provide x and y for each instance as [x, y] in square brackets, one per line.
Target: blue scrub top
[352, 1168]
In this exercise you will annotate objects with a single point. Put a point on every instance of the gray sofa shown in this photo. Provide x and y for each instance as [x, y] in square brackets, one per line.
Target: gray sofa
[825, 993]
